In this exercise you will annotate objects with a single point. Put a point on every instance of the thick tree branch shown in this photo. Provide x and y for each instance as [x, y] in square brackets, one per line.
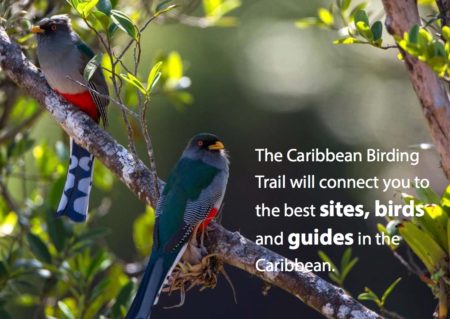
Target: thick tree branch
[400, 17]
[317, 293]
[234, 249]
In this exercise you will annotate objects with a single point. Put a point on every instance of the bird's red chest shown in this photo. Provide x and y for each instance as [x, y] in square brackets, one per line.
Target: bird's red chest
[212, 213]
[83, 101]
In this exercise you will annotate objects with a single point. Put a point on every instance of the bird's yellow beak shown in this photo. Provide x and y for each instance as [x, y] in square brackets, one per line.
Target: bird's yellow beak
[216, 146]
[37, 29]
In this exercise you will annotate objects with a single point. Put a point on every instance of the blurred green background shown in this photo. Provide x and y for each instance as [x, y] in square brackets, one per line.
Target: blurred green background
[266, 83]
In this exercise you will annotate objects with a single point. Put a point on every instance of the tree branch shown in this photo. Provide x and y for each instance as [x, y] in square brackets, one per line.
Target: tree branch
[400, 17]
[314, 291]
[233, 248]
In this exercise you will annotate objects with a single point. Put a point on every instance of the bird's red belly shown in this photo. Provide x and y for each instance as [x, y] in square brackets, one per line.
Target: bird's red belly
[212, 213]
[83, 101]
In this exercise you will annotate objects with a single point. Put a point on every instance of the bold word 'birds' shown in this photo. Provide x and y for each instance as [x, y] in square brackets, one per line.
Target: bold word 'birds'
[193, 195]
[63, 56]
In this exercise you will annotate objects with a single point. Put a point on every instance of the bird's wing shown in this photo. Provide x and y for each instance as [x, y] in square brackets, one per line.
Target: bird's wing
[97, 82]
[185, 202]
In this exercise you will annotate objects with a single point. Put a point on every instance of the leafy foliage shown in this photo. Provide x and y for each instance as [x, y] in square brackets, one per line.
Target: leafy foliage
[350, 20]
[368, 294]
[339, 274]
[428, 235]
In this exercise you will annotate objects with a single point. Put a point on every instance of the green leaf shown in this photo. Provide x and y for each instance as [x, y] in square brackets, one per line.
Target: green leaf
[414, 34]
[325, 16]
[348, 267]
[100, 263]
[85, 8]
[445, 199]
[65, 310]
[361, 16]
[163, 9]
[104, 6]
[92, 66]
[73, 3]
[125, 23]
[327, 259]
[162, 5]
[130, 78]
[377, 30]
[39, 248]
[427, 195]
[103, 19]
[364, 30]
[389, 290]
[122, 300]
[356, 9]
[209, 6]
[369, 295]
[446, 33]
[346, 257]
[56, 230]
[153, 77]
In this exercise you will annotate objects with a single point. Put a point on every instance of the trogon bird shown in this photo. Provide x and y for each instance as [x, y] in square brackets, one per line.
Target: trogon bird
[193, 195]
[63, 57]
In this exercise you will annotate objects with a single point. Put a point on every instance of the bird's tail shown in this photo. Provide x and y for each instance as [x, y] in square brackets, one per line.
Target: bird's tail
[148, 290]
[74, 201]
[155, 277]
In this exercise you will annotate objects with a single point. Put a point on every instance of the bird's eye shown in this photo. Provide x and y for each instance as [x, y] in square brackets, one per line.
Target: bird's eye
[200, 143]
[53, 27]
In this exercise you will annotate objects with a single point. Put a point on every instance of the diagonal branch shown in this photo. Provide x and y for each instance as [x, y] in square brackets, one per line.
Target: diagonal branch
[329, 300]
[234, 249]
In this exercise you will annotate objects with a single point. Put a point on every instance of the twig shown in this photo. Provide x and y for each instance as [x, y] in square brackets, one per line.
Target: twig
[107, 46]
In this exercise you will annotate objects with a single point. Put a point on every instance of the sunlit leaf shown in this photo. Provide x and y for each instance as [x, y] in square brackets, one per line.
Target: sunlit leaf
[8, 224]
[65, 310]
[130, 78]
[325, 16]
[84, 8]
[153, 76]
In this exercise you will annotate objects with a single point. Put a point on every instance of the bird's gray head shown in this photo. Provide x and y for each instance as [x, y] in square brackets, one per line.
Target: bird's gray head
[208, 148]
[56, 27]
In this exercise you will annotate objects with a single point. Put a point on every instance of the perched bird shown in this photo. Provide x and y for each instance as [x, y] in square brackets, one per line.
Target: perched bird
[193, 195]
[63, 57]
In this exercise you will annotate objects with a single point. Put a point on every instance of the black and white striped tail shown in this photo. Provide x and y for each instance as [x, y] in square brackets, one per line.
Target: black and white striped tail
[74, 201]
